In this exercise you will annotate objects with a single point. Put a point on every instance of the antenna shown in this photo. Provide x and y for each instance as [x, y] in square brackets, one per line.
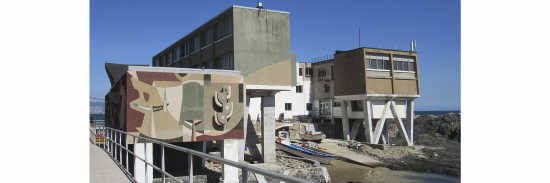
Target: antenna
[359, 35]
[396, 45]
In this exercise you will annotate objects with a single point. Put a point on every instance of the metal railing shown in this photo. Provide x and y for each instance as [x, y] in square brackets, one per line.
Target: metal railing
[113, 144]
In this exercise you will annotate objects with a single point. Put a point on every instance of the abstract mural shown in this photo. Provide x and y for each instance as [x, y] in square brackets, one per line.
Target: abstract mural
[184, 107]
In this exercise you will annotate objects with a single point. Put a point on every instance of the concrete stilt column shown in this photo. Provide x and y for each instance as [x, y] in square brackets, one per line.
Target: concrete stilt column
[345, 120]
[410, 120]
[268, 129]
[242, 142]
[229, 152]
[367, 113]
[139, 166]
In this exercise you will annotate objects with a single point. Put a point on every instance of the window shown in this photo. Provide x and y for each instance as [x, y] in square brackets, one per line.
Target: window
[356, 105]
[336, 104]
[185, 49]
[308, 106]
[298, 89]
[196, 43]
[300, 71]
[209, 64]
[177, 53]
[402, 63]
[308, 72]
[156, 63]
[377, 62]
[208, 37]
[324, 74]
[162, 61]
[288, 106]
[225, 62]
[169, 58]
[327, 88]
[225, 28]
[325, 107]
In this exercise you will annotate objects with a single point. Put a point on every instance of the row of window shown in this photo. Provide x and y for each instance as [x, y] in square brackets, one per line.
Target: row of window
[224, 62]
[381, 62]
[224, 28]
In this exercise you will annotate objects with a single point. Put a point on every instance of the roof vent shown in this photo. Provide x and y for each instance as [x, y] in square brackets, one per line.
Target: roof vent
[260, 5]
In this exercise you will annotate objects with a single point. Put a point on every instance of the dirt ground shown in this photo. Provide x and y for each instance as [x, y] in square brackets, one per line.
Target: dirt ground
[436, 150]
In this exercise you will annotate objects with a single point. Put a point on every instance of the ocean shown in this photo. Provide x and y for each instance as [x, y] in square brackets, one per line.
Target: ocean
[435, 113]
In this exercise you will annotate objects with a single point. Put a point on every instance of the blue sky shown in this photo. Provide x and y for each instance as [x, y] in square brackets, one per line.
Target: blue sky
[131, 32]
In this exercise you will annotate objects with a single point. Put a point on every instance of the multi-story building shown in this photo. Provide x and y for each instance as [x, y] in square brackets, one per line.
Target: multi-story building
[254, 41]
[359, 85]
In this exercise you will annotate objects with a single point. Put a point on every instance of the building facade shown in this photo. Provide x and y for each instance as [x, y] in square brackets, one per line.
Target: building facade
[365, 86]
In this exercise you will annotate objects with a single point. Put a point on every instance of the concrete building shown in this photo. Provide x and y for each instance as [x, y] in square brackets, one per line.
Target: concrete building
[256, 42]
[367, 85]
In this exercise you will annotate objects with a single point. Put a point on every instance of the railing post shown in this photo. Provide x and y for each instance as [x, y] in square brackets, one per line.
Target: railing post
[115, 147]
[126, 142]
[190, 167]
[245, 176]
[163, 171]
[145, 152]
[120, 146]
[135, 157]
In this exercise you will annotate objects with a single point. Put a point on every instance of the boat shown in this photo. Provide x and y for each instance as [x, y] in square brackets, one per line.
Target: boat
[287, 146]
[310, 135]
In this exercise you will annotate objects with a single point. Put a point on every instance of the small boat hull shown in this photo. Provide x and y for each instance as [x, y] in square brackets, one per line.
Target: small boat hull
[307, 153]
[312, 137]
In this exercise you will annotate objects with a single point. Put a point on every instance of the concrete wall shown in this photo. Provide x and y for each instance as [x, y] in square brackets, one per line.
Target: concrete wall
[351, 66]
[262, 46]
[298, 100]
[349, 70]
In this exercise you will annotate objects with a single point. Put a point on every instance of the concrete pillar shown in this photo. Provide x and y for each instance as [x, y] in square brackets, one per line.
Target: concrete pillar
[410, 120]
[242, 142]
[139, 166]
[345, 120]
[230, 152]
[268, 129]
[367, 113]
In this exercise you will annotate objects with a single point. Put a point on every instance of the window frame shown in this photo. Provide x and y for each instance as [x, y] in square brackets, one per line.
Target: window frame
[309, 71]
[327, 88]
[299, 89]
[288, 106]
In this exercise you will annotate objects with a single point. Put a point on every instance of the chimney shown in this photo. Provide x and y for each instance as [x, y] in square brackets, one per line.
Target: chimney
[260, 5]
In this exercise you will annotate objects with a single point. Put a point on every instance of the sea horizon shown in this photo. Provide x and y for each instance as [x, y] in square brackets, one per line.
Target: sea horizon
[420, 113]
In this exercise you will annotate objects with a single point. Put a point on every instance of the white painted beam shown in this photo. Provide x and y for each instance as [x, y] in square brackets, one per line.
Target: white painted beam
[380, 123]
[400, 125]
[410, 120]
[268, 129]
[345, 120]
[230, 152]
[367, 112]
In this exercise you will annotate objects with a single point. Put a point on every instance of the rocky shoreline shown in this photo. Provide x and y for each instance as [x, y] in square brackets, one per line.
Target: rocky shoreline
[436, 149]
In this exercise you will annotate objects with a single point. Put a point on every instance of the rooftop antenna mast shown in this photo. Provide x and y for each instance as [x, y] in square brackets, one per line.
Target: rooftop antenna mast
[359, 35]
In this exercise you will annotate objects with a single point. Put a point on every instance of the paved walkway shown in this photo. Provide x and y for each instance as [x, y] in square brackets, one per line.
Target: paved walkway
[104, 169]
